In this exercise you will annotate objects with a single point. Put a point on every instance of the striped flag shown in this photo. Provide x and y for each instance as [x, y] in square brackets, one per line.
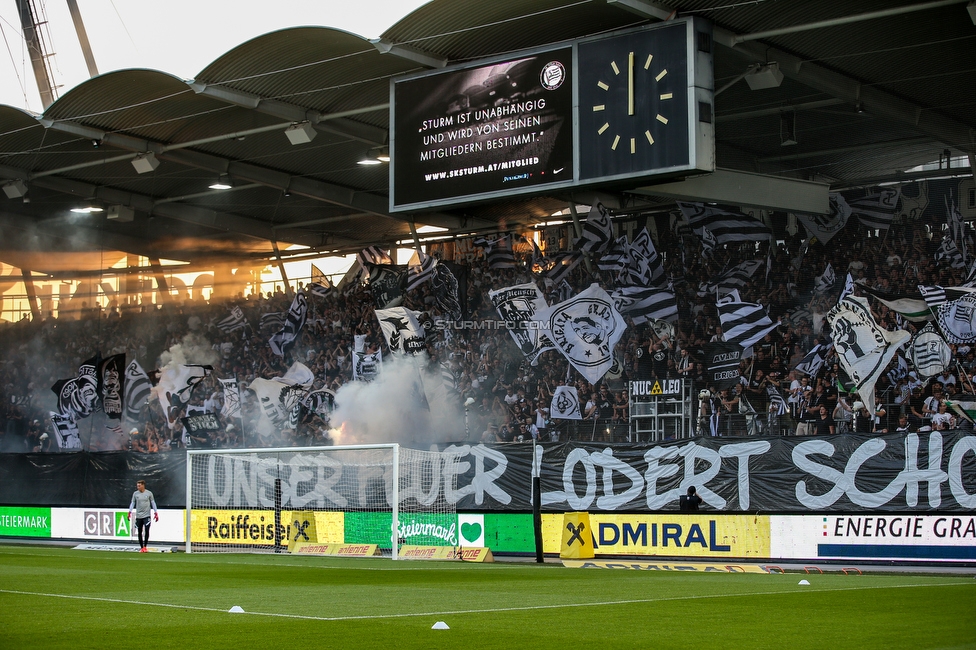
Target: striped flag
[848, 287]
[418, 274]
[876, 211]
[373, 255]
[726, 226]
[285, 338]
[235, 321]
[562, 265]
[319, 284]
[597, 232]
[949, 252]
[273, 320]
[957, 318]
[811, 364]
[933, 296]
[929, 352]
[617, 258]
[642, 304]
[777, 405]
[498, 251]
[899, 371]
[137, 390]
[735, 278]
[644, 266]
[744, 323]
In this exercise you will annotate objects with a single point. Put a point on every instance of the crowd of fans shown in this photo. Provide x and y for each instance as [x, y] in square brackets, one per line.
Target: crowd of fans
[508, 399]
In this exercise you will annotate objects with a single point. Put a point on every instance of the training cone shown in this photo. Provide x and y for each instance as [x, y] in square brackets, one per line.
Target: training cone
[440, 625]
[236, 609]
[803, 582]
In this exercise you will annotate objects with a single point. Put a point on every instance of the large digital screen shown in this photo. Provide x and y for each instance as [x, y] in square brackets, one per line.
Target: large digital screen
[487, 131]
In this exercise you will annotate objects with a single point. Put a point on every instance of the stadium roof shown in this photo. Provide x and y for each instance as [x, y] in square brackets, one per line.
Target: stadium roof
[876, 86]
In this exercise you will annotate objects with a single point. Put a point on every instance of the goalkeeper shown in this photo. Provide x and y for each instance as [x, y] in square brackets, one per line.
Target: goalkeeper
[142, 501]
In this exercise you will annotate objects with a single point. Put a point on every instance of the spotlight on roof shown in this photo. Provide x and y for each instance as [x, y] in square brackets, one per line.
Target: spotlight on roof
[764, 75]
[15, 188]
[301, 133]
[375, 156]
[145, 163]
[223, 182]
[89, 207]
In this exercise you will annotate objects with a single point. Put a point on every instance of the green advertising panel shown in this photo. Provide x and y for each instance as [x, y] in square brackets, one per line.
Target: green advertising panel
[25, 522]
[422, 529]
[509, 533]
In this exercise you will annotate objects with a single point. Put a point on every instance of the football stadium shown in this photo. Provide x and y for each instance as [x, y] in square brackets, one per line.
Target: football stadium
[545, 324]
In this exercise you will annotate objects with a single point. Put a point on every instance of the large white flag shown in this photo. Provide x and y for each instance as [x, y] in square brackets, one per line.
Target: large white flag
[565, 404]
[232, 398]
[517, 306]
[585, 329]
[864, 349]
[929, 352]
[176, 384]
[402, 330]
[957, 319]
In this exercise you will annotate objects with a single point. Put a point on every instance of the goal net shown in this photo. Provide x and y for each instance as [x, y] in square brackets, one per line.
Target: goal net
[263, 500]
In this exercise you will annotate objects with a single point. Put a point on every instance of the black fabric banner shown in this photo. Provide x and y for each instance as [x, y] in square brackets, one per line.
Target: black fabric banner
[923, 473]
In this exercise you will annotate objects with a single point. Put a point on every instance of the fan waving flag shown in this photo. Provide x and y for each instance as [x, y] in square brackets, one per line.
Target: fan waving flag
[319, 284]
[402, 330]
[811, 364]
[176, 384]
[864, 349]
[517, 307]
[78, 396]
[735, 278]
[949, 252]
[825, 281]
[498, 251]
[643, 304]
[725, 225]
[373, 255]
[285, 338]
[722, 364]
[585, 329]
[912, 307]
[418, 274]
[235, 321]
[65, 431]
[744, 323]
[825, 226]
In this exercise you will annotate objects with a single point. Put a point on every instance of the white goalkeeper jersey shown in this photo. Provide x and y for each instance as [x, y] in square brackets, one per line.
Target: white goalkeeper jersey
[141, 503]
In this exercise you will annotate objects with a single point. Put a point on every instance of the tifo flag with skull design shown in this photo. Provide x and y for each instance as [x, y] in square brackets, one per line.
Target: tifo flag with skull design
[402, 330]
[864, 349]
[565, 404]
[517, 306]
[585, 329]
[111, 385]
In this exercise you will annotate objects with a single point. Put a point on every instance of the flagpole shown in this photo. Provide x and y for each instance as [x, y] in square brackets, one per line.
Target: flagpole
[240, 411]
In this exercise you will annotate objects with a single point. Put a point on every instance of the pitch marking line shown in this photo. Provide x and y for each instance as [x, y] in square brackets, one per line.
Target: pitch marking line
[489, 610]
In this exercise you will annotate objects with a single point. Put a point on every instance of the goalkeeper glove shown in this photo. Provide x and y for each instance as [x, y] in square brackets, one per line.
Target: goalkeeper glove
[129, 515]
[156, 516]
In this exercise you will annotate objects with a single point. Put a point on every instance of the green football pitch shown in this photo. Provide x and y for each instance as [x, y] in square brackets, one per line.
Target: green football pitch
[64, 598]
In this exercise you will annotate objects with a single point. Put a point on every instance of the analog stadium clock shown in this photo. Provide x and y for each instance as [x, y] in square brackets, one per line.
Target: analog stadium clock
[634, 102]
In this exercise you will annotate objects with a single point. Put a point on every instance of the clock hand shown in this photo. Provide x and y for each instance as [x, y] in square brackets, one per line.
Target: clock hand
[630, 84]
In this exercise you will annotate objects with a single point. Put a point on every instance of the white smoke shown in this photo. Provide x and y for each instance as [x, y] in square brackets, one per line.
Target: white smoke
[392, 407]
[194, 349]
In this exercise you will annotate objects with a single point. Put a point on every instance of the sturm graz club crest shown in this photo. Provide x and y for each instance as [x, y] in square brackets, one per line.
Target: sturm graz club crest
[565, 404]
[929, 352]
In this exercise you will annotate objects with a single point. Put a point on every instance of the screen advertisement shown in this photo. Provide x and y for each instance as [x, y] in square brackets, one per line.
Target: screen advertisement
[496, 129]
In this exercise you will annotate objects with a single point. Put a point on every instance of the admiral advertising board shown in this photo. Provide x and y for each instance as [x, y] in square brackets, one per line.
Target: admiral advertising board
[629, 105]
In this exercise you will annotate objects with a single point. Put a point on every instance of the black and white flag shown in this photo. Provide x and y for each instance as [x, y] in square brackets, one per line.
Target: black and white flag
[285, 338]
[386, 284]
[777, 405]
[565, 404]
[274, 320]
[725, 225]
[848, 287]
[722, 364]
[402, 330]
[644, 266]
[372, 255]
[319, 284]
[811, 364]
[517, 306]
[825, 226]
[423, 271]
[78, 396]
[65, 431]
[232, 398]
[138, 388]
[949, 253]
[597, 231]
[585, 329]
[366, 365]
[876, 211]
[111, 385]
[616, 258]
[957, 229]
[562, 265]
[957, 319]
[321, 402]
[911, 307]
[899, 371]
[644, 304]
[744, 323]
[445, 288]
[864, 349]
[498, 251]
[233, 322]
[825, 282]
[736, 277]
[176, 384]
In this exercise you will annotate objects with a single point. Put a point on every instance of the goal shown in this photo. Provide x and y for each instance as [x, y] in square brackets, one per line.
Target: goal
[262, 500]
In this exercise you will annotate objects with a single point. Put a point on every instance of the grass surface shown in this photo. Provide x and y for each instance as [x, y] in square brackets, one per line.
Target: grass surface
[63, 598]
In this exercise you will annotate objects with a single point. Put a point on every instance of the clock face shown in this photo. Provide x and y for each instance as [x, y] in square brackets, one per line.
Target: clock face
[633, 110]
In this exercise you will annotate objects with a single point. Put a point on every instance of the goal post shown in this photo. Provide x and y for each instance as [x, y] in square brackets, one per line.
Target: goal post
[263, 500]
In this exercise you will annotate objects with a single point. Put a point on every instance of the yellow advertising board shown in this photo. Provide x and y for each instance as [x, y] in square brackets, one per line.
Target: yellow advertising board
[672, 535]
[465, 554]
[257, 527]
[671, 566]
[338, 550]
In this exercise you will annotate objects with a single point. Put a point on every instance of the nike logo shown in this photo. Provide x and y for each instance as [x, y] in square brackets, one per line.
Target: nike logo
[556, 171]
